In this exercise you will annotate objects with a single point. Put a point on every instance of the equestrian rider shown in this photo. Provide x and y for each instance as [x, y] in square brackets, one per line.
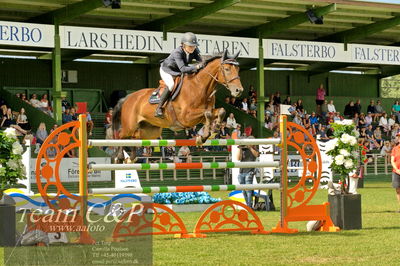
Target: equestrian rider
[177, 63]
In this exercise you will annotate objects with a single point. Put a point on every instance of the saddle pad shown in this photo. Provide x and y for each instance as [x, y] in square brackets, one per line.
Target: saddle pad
[155, 96]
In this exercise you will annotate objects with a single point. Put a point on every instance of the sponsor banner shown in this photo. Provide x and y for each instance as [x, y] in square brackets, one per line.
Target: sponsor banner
[304, 51]
[126, 178]
[26, 34]
[69, 170]
[150, 41]
[373, 54]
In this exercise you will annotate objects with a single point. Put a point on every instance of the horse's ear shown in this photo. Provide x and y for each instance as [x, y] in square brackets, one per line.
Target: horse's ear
[225, 55]
[235, 56]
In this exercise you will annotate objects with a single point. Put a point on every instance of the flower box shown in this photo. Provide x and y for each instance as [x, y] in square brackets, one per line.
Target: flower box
[345, 210]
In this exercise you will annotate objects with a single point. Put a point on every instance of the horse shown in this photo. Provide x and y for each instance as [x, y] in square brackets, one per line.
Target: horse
[133, 116]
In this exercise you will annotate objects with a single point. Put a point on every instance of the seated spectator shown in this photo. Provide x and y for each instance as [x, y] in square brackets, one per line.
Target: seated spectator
[361, 121]
[371, 109]
[368, 119]
[231, 122]
[391, 121]
[386, 151]
[292, 110]
[252, 92]
[267, 121]
[384, 124]
[275, 121]
[277, 101]
[184, 154]
[396, 110]
[363, 134]
[147, 153]
[356, 119]
[223, 132]
[370, 132]
[338, 117]
[22, 120]
[297, 119]
[168, 152]
[41, 133]
[23, 98]
[89, 123]
[331, 107]
[65, 104]
[378, 137]
[66, 116]
[322, 134]
[324, 108]
[244, 105]
[191, 133]
[378, 110]
[237, 131]
[269, 109]
[9, 120]
[73, 114]
[253, 106]
[395, 130]
[314, 122]
[235, 102]
[287, 101]
[357, 106]
[34, 101]
[108, 118]
[299, 107]
[349, 110]
[227, 99]
[45, 105]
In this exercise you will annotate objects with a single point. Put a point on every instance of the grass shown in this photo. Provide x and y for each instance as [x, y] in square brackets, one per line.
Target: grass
[376, 244]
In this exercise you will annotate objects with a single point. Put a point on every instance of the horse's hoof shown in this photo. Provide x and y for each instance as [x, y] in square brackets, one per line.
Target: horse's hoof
[199, 140]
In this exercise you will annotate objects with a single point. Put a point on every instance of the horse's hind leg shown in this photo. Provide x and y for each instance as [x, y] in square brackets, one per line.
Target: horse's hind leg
[206, 128]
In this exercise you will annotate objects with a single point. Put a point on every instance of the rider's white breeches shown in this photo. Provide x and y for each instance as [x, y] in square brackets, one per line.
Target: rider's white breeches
[167, 78]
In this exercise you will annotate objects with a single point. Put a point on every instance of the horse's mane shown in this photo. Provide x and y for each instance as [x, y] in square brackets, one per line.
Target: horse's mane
[212, 58]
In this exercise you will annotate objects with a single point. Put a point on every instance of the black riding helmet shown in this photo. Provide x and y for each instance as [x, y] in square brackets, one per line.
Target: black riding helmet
[189, 39]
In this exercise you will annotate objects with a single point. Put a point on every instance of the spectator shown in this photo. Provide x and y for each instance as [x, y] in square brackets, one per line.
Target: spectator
[9, 120]
[287, 101]
[245, 106]
[277, 101]
[386, 150]
[89, 123]
[356, 119]
[66, 116]
[322, 134]
[378, 137]
[253, 106]
[252, 92]
[65, 104]
[227, 99]
[363, 134]
[73, 114]
[357, 106]
[45, 105]
[41, 133]
[237, 131]
[361, 121]
[320, 97]
[384, 124]
[396, 110]
[223, 132]
[191, 133]
[184, 154]
[23, 98]
[378, 110]
[349, 110]
[34, 101]
[108, 119]
[395, 131]
[331, 107]
[368, 119]
[324, 108]
[22, 120]
[391, 121]
[231, 122]
[299, 107]
[235, 102]
[297, 119]
[371, 109]
[168, 152]
[314, 122]
[269, 110]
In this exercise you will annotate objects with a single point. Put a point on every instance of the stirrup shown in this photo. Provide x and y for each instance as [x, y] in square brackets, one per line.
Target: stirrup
[159, 112]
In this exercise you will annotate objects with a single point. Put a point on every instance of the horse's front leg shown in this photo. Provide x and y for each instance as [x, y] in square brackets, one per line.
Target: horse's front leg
[218, 116]
[206, 128]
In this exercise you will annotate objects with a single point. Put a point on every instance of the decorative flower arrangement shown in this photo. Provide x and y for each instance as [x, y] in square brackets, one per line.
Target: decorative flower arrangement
[347, 154]
[11, 166]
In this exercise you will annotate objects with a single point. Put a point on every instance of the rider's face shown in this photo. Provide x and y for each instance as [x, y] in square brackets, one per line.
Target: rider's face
[189, 49]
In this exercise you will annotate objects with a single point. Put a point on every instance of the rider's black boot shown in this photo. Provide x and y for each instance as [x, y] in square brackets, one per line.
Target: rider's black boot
[163, 99]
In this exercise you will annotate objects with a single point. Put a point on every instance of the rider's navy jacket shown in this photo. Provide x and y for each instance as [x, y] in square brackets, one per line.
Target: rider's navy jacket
[177, 63]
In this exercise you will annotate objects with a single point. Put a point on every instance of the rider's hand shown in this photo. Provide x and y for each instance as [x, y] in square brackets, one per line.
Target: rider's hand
[200, 65]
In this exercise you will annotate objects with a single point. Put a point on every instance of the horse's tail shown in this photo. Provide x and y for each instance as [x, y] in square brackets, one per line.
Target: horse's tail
[116, 118]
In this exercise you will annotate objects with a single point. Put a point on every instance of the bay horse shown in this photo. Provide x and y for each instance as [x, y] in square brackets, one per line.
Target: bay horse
[133, 116]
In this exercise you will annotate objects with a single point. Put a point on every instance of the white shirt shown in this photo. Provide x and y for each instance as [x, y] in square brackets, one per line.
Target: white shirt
[231, 122]
[331, 108]
[383, 121]
[391, 122]
[35, 102]
[245, 106]
[385, 149]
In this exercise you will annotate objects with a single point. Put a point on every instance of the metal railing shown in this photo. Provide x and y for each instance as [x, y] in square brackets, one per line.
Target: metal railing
[191, 174]
[379, 165]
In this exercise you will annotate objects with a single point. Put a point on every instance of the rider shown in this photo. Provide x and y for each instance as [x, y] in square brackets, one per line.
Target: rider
[177, 63]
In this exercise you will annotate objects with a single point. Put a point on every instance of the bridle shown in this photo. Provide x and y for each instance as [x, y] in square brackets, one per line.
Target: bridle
[225, 82]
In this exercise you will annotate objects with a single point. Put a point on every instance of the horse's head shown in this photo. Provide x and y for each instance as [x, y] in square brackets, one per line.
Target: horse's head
[228, 74]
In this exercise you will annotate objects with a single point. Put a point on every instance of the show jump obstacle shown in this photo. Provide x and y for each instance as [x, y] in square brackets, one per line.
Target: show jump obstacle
[223, 216]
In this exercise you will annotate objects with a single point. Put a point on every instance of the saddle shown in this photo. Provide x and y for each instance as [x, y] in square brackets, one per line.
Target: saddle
[155, 96]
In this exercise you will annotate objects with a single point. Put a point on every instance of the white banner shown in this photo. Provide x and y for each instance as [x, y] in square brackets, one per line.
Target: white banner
[26, 34]
[69, 170]
[304, 51]
[150, 41]
[373, 54]
[126, 178]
